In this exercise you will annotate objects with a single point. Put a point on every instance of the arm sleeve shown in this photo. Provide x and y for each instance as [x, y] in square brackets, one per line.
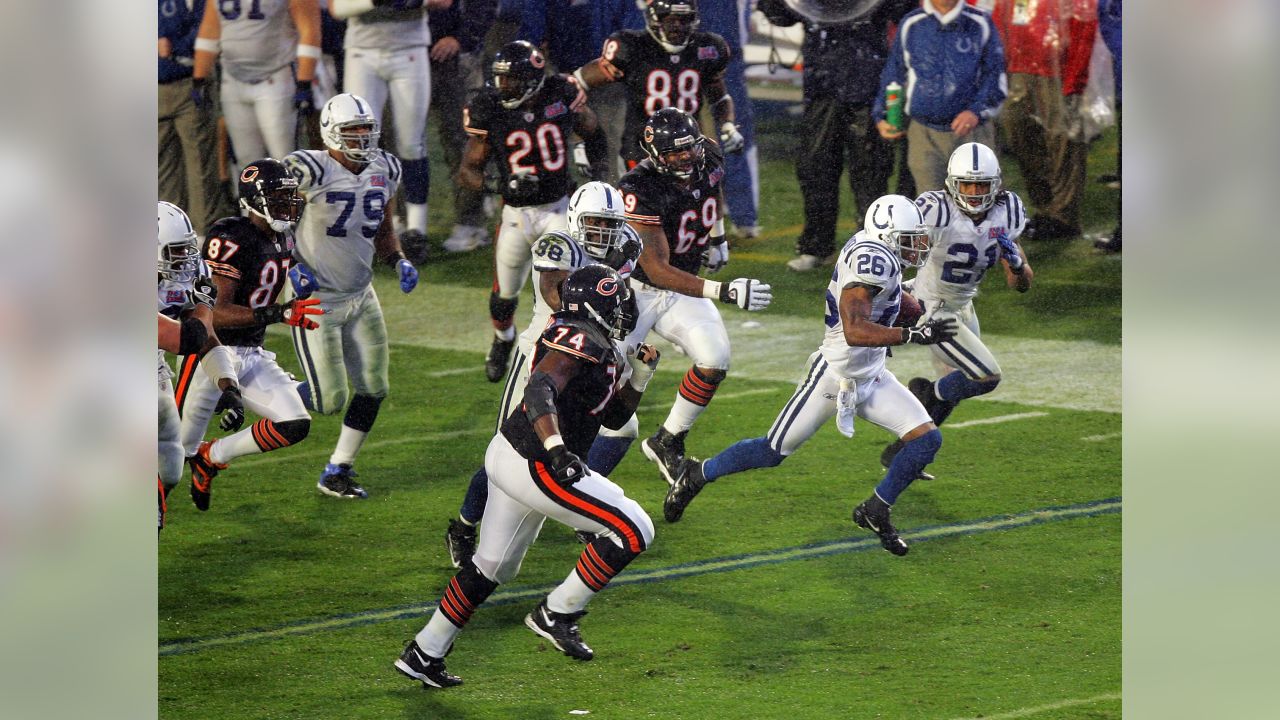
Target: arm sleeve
[225, 253]
[1017, 214]
[614, 56]
[993, 84]
[861, 268]
[932, 206]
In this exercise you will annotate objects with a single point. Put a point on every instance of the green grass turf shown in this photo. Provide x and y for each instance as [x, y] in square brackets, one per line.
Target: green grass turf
[1024, 620]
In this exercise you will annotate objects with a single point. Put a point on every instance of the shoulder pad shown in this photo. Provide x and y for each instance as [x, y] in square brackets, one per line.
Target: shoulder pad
[576, 337]
[556, 251]
[393, 166]
[307, 169]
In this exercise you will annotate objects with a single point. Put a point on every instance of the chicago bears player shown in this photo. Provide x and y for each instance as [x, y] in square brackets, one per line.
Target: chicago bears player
[974, 222]
[386, 55]
[535, 467]
[250, 258]
[186, 293]
[258, 41]
[345, 227]
[674, 201]
[847, 374]
[670, 64]
[523, 119]
[598, 232]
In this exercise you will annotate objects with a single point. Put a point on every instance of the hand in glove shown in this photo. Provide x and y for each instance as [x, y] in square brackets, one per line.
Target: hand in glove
[931, 332]
[232, 409]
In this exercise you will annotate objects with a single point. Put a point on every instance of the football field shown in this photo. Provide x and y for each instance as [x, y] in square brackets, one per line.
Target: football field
[765, 601]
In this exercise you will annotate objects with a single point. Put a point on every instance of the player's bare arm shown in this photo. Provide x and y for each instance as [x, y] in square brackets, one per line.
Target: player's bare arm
[226, 313]
[596, 73]
[207, 39]
[718, 99]
[656, 261]
[474, 156]
[306, 18]
[549, 282]
[855, 317]
[1018, 280]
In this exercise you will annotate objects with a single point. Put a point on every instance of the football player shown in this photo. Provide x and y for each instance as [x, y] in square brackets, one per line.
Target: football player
[673, 199]
[386, 54]
[670, 64]
[975, 223]
[598, 232]
[250, 257]
[185, 293]
[258, 42]
[847, 375]
[523, 120]
[345, 228]
[578, 383]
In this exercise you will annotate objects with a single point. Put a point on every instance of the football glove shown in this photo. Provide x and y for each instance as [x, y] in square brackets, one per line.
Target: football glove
[303, 99]
[643, 364]
[302, 280]
[581, 162]
[716, 256]
[200, 94]
[408, 276]
[566, 467]
[931, 332]
[751, 295]
[731, 141]
[232, 408]
[1009, 251]
[203, 291]
[293, 313]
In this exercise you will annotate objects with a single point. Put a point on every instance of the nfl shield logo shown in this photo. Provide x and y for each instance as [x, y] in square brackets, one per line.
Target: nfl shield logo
[528, 117]
[708, 53]
[697, 193]
[173, 297]
[378, 181]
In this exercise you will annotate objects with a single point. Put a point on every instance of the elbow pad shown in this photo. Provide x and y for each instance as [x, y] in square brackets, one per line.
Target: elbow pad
[539, 396]
[193, 335]
[219, 363]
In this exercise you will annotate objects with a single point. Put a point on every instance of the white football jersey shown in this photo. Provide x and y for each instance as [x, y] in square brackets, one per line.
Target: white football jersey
[963, 251]
[343, 211]
[174, 298]
[863, 261]
[386, 29]
[258, 38]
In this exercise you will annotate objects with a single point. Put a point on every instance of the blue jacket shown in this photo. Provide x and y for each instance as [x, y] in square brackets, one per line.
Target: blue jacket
[1109, 26]
[180, 24]
[468, 21]
[945, 69]
[575, 30]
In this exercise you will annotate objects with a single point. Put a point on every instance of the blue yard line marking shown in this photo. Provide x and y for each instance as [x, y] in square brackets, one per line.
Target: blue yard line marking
[508, 596]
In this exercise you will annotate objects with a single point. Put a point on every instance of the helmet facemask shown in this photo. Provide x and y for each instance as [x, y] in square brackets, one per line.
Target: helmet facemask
[976, 200]
[280, 206]
[353, 142]
[179, 261]
[599, 235]
[912, 246]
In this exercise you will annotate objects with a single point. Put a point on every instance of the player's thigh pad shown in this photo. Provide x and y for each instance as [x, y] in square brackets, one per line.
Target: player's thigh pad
[509, 528]
[889, 404]
[364, 346]
[408, 74]
[810, 406]
[513, 251]
[320, 353]
[695, 325]
[170, 449]
[268, 391]
[966, 351]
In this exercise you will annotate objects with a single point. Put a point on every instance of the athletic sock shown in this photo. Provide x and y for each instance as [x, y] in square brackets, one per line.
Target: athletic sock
[740, 456]
[907, 464]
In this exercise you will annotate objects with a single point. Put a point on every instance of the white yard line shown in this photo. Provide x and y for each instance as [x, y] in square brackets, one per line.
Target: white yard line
[1101, 438]
[995, 420]
[1037, 709]
[456, 371]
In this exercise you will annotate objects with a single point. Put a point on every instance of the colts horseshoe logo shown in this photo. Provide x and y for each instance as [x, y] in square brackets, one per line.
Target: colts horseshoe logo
[875, 217]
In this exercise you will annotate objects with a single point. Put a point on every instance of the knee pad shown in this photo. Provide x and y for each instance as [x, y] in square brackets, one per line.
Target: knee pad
[710, 357]
[417, 180]
[713, 376]
[362, 412]
[502, 310]
[990, 383]
[170, 467]
[926, 445]
[294, 431]
[464, 593]
[496, 571]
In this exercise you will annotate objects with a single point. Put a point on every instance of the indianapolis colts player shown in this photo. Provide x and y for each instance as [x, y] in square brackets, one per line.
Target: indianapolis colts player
[345, 227]
[846, 376]
[973, 223]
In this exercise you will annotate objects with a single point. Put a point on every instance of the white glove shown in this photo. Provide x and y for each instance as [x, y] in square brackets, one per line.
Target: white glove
[643, 364]
[716, 256]
[746, 293]
[580, 160]
[731, 141]
[845, 406]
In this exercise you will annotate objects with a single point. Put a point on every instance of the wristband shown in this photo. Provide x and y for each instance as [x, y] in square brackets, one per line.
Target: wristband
[552, 442]
[711, 289]
[717, 232]
[208, 45]
[268, 314]
[308, 51]
[906, 336]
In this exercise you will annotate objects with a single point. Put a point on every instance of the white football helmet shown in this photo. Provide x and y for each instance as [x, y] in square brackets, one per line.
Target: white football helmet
[338, 119]
[178, 254]
[597, 221]
[973, 163]
[896, 221]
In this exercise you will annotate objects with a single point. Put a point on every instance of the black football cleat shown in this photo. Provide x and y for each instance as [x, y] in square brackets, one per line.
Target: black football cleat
[418, 665]
[561, 629]
[460, 541]
[873, 515]
[203, 471]
[667, 451]
[337, 481]
[684, 490]
[495, 363]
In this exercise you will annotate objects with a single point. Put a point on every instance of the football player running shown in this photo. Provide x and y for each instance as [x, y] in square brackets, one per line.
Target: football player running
[186, 294]
[598, 232]
[523, 119]
[974, 223]
[251, 258]
[579, 382]
[345, 228]
[671, 63]
[674, 201]
[847, 374]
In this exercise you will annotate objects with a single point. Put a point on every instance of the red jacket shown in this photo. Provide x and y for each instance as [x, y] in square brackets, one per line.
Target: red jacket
[1052, 38]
